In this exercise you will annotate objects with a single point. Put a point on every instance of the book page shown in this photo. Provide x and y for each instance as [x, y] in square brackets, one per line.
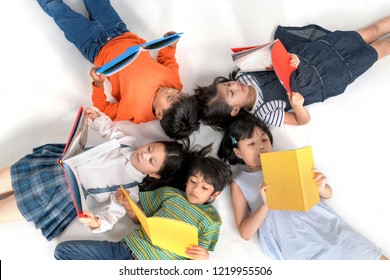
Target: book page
[70, 168]
[173, 235]
[76, 193]
[92, 153]
[254, 59]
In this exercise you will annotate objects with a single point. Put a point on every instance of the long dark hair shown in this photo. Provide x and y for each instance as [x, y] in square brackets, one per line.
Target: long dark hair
[179, 160]
[241, 128]
[176, 152]
[213, 109]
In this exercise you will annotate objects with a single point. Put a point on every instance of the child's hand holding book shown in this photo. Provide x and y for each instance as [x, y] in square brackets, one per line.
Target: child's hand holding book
[173, 45]
[197, 253]
[121, 199]
[90, 220]
[92, 114]
[324, 190]
[263, 195]
[98, 78]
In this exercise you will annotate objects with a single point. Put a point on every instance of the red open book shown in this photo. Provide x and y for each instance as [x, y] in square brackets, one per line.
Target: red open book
[74, 146]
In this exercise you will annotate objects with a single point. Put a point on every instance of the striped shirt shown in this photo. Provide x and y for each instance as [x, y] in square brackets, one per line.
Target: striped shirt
[172, 203]
[272, 112]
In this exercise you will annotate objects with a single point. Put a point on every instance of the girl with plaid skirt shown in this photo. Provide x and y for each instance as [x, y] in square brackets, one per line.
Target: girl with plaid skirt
[207, 177]
[35, 187]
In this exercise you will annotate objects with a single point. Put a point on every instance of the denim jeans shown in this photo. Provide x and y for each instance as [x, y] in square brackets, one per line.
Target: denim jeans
[93, 250]
[89, 35]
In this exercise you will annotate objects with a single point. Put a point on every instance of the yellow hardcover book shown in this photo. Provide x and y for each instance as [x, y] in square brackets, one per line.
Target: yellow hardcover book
[173, 235]
[290, 179]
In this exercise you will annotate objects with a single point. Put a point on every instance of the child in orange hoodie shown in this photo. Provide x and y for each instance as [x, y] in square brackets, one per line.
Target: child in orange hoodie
[146, 89]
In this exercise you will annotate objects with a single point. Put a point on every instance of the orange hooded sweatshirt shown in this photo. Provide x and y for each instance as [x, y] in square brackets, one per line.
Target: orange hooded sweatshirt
[135, 86]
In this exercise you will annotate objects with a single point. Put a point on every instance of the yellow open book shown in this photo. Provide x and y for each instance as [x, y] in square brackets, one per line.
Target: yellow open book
[290, 179]
[169, 234]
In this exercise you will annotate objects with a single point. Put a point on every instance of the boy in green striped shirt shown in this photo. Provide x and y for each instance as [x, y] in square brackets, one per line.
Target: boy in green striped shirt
[207, 178]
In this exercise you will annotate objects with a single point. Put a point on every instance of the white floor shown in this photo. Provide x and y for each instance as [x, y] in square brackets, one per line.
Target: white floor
[44, 80]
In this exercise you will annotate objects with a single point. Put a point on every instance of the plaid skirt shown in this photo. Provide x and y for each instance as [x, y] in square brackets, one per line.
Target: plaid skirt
[41, 190]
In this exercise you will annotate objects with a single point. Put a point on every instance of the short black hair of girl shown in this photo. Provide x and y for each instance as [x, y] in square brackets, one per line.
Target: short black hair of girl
[241, 128]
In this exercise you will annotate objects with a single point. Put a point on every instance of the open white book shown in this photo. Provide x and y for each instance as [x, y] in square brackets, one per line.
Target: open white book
[254, 58]
[267, 57]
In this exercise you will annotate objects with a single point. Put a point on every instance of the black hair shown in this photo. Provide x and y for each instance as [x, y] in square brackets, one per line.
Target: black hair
[176, 152]
[215, 172]
[174, 171]
[241, 128]
[181, 119]
[213, 109]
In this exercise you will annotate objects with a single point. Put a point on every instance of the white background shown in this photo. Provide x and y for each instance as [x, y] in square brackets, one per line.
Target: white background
[44, 79]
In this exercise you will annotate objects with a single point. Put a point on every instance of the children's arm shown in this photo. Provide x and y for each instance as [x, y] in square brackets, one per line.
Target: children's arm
[300, 115]
[166, 56]
[98, 79]
[99, 98]
[324, 189]
[100, 122]
[197, 253]
[246, 222]
[109, 216]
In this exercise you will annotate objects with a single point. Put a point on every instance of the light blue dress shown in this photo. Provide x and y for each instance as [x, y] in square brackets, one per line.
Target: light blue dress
[317, 234]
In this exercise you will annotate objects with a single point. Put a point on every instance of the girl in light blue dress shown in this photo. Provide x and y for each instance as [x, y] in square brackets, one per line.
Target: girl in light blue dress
[319, 233]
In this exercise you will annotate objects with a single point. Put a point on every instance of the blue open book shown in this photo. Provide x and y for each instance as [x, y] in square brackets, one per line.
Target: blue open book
[121, 61]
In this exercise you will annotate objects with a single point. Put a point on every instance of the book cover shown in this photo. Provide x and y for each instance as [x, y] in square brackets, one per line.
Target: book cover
[266, 57]
[75, 145]
[124, 59]
[172, 235]
[281, 63]
[290, 179]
